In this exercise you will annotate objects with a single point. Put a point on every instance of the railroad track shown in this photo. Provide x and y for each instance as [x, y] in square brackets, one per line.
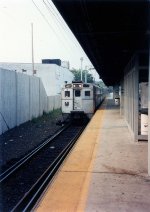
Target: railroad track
[22, 184]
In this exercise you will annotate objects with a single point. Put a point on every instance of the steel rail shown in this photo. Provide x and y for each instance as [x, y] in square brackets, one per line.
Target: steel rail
[23, 160]
[31, 197]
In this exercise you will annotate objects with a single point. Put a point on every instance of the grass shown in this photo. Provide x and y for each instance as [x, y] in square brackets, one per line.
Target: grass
[52, 115]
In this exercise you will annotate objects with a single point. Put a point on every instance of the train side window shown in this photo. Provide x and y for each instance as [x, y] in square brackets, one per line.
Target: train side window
[67, 93]
[87, 93]
[77, 93]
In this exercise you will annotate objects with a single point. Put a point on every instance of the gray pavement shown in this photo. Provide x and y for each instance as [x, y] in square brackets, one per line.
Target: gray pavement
[120, 182]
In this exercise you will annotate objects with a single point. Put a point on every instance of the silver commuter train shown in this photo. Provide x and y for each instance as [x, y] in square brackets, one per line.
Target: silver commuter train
[81, 98]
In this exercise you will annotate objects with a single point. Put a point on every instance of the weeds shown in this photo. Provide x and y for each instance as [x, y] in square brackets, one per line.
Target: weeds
[50, 115]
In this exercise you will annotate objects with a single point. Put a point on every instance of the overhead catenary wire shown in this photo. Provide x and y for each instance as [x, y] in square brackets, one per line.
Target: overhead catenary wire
[51, 27]
[15, 20]
[61, 26]
[65, 26]
[57, 19]
[62, 23]
[45, 42]
[52, 10]
[58, 25]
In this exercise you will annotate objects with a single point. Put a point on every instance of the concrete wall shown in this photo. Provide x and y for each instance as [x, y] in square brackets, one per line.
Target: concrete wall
[0, 103]
[116, 91]
[131, 100]
[132, 108]
[34, 97]
[149, 114]
[8, 100]
[43, 99]
[122, 98]
[52, 75]
[22, 97]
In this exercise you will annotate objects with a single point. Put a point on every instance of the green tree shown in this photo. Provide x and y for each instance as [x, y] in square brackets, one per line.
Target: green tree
[77, 75]
[101, 84]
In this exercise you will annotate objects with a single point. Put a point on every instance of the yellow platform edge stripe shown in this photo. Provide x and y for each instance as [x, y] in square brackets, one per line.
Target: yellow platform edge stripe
[68, 191]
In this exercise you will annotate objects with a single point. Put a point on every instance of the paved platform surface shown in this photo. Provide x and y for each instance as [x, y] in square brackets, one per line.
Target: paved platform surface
[106, 171]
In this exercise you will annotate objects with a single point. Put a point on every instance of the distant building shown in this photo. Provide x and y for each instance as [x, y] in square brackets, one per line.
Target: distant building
[53, 76]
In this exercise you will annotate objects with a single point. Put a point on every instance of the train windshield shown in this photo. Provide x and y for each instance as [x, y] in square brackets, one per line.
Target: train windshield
[77, 93]
[67, 93]
[87, 93]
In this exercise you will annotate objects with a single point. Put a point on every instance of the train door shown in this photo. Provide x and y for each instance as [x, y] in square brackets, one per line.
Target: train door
[77, 99]
[67, 100]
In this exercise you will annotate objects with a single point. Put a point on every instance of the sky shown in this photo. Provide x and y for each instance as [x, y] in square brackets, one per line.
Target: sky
[51, 35]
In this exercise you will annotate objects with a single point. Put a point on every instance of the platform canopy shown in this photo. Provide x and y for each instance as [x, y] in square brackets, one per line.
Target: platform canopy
[109, 31]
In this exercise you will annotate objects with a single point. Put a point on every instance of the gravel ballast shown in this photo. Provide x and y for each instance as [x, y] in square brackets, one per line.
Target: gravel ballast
[19, 141]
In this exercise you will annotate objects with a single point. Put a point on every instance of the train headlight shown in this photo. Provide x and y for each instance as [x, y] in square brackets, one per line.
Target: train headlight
[77, 86]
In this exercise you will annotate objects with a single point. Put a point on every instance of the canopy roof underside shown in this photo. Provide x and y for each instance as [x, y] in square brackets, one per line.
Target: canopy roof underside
[109, 31]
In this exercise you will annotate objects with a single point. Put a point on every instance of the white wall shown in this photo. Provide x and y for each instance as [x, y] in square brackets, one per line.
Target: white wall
[50, 102]
[53, 76]
[0, 103]
[43, 99]
[22, 97]
[34, 97]
[8, 99]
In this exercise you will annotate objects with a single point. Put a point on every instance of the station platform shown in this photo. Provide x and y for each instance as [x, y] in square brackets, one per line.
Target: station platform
[106, 170]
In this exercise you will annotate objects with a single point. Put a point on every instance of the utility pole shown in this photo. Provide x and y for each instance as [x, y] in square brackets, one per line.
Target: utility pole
[32, 49]
[93, 74]
[86, 74]
[81, 66]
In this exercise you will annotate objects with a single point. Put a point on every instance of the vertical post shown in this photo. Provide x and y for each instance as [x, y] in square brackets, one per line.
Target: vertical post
[32, 49]
[122, 98]
[116, 91]
[136, 97]
[85, 74]
[149, 113]
[81, 66]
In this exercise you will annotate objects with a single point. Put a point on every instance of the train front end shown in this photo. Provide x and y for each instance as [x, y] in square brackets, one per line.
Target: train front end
[77, 99]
